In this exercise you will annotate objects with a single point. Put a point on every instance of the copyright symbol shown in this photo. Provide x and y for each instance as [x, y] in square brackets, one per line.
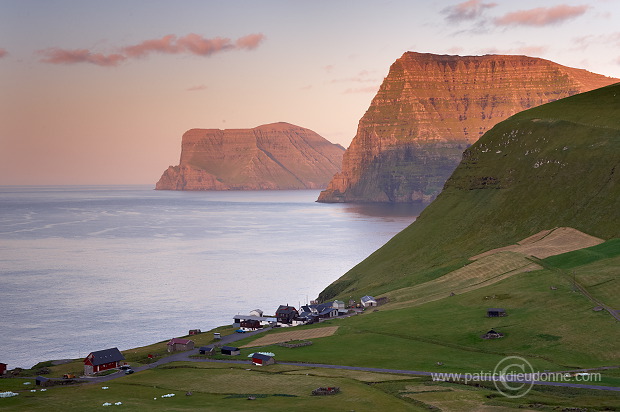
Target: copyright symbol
[512, 377]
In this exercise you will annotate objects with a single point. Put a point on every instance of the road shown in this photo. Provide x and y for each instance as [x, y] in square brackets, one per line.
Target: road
[185, 356]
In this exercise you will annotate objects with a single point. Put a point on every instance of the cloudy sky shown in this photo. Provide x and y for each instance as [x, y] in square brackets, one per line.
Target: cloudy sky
[100, 92]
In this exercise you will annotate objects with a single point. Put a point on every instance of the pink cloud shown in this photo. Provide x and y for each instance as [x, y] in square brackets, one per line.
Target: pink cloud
[169, 44]
[250, 42]
[193, 44]
[3, 53]
[196, 88]
[56, 55]
[467, 10]
[164, 45]
[541, 16]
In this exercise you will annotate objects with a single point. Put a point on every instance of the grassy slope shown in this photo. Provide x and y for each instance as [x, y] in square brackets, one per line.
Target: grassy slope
[554, 165]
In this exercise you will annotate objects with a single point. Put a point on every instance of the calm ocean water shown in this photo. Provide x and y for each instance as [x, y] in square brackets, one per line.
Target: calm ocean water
[87, 268]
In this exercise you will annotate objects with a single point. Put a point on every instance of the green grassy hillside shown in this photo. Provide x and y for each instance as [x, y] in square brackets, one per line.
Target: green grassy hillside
[551, 166]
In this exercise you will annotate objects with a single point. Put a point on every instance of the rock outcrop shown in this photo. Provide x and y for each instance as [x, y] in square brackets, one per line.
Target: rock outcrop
[430, 108]
[272, 156]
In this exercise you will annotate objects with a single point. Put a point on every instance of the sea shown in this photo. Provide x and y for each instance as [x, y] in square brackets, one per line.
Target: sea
[85, 268]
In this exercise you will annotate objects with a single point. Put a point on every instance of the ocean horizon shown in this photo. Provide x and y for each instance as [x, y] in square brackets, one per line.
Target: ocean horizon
[86, 268]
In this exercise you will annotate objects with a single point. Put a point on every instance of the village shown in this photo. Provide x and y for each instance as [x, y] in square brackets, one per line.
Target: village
[106, 360]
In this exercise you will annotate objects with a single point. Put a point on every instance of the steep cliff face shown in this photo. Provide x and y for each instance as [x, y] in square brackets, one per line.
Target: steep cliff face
[272, 156]
[432, 107]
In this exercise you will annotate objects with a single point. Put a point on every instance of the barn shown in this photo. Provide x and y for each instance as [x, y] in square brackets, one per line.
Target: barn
[179, 344]
[368, 301]
[495, 312]
[230, 350]
[102, 360]
[206, 350]
[260, 359]
[42, 381]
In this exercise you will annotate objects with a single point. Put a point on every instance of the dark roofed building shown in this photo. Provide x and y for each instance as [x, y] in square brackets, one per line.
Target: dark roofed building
[42, 381]
[286, 314]
[102, 360]
[495, 312]
[261, 359]
[492, 334]
[207, 350]
[230, 350]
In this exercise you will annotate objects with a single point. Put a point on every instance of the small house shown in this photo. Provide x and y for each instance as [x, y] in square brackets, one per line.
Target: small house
[285, 314]
[207, 350]
[260, 359]
[368, 301]
[179, 344]
[194, 332]
[495, 312]
[492, 334]
[2, 368]
[102, 360]
[42, 381]
[230, 350]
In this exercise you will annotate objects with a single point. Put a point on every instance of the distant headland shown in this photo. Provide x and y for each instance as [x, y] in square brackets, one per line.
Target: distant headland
[267, 157]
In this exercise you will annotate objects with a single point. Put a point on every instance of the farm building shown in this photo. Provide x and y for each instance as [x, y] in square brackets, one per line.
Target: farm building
[230, 350]
[179, 344]
[492, 335]
[260, 359]
[368, 301]
[42, 381]
[2, 368]
[495, 312]
[285, 314]
[206, 350]
[194, 332]
[102, 360]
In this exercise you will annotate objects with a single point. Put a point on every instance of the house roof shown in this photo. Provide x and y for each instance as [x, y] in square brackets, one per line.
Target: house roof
[179, 341]
[367, 298]
[496, 310]
[230, 348]
[261, 356]
[283, 309]
[206, 348]
[327, 310]
[105, 356]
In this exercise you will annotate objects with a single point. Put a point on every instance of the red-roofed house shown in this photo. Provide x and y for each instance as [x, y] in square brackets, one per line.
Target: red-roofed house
[179, 344]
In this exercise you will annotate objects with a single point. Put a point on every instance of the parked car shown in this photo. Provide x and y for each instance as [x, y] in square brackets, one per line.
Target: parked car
[128, 371]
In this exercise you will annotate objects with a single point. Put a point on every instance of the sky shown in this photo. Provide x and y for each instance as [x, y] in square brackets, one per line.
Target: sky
[101, 92]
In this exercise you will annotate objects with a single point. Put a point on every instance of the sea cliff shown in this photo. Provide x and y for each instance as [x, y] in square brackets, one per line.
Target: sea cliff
[430, 108]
